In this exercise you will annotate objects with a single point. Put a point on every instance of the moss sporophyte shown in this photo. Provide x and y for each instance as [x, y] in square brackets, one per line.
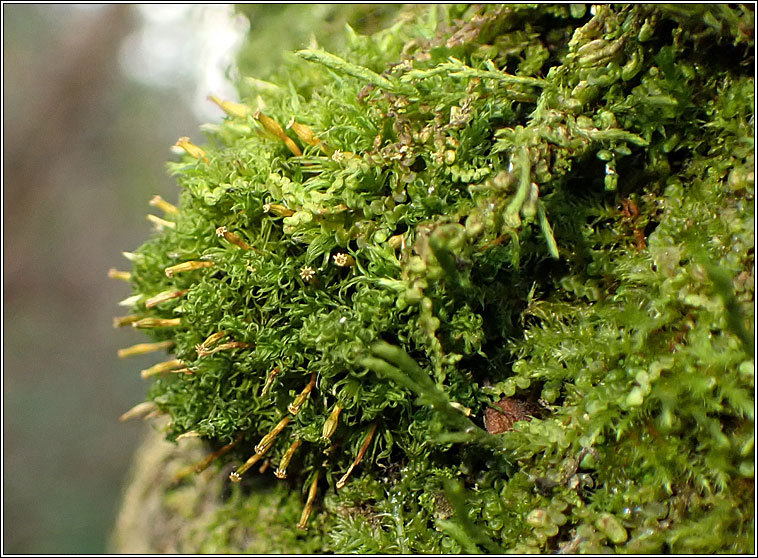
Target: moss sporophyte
[484, 281]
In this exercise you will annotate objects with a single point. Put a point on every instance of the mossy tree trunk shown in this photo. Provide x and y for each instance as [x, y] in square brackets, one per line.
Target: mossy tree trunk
[483, 281]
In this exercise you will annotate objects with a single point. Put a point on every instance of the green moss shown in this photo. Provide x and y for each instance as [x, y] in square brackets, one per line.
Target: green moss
[529, 202]
[262, 524]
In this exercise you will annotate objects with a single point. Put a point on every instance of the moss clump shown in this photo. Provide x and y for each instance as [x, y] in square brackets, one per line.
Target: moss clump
[541, 212]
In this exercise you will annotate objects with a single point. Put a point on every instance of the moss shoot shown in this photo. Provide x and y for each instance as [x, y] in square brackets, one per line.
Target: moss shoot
[482, 281]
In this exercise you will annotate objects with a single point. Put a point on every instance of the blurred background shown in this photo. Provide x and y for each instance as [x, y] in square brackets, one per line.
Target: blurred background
[94, 96]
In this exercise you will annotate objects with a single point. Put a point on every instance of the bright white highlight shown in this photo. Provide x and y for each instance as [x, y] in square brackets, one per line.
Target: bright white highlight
[191, 47]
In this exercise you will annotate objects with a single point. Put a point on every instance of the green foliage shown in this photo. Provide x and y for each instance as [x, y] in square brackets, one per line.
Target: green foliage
[259, 525]
[510, 201]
